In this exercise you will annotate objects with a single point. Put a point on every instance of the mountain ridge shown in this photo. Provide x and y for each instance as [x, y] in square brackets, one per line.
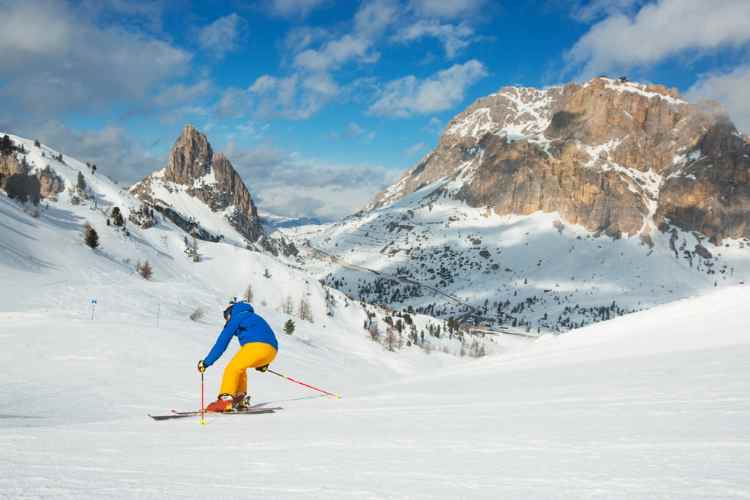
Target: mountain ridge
[614, 156]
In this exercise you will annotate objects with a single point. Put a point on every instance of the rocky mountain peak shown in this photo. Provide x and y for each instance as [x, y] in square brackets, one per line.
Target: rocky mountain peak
[195, 169]
[190, 158]
[611, 155]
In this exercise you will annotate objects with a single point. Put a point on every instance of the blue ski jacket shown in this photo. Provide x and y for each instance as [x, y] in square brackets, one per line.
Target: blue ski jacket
[248, 326]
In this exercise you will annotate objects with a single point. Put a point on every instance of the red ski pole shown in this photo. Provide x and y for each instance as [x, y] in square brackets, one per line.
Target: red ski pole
[290, 379]
[203, 406]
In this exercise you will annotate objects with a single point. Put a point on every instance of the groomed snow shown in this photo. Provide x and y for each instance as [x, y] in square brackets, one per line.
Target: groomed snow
[653, 405]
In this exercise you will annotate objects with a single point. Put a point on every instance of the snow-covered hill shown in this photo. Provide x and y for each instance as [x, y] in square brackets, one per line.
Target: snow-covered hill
[651, 405]
[44, 250]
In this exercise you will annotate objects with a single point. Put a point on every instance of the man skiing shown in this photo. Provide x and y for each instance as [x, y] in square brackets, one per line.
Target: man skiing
[258, 347]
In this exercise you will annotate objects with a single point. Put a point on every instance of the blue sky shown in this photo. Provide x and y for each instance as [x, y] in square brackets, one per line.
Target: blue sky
[320, 104]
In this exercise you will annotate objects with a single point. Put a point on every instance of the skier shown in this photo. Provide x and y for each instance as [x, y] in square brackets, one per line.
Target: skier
[258, 347]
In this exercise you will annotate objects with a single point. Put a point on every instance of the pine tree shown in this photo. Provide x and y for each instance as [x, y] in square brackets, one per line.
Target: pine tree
[305, 311]
[266, 274]
[289, 327]
[117, 219]
[81, 183]
[287, 307]
[90, 236]
[6, 145]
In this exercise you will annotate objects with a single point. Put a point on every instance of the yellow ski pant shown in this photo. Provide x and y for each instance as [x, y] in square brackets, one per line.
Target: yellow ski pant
[250, 355]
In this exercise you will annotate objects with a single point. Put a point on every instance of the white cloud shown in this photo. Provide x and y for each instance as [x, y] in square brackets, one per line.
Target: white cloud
[415, 149]
[55, 59]
[293, 8]
[370, 21]
[732, 89]
[334, 53]
[294, 97]
[453, 37]
[300, 38]
[311, 85]
[409, 95]
[355, 131]
[288, 184]
[446, 8]
[175, 95]
[233, 103]
[591, 10]
[223, 35]
[661, 30]
[111, 149]
[374, 17]
[435, 126]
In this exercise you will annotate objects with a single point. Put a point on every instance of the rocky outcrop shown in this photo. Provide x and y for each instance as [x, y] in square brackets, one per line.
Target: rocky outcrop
[614, 156]
[190, 158]
[11, 165]
[711, 194]
[50, 184]
[207, 176]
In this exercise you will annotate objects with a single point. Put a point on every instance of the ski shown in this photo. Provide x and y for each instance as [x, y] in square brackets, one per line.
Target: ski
[184, 414]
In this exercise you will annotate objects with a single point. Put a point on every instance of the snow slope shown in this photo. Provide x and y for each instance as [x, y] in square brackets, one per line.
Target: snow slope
[651, 405]
[534, 272]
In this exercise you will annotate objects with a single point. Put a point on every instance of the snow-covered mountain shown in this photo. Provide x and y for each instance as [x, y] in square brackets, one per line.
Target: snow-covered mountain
[195, 173]
[42, 246]
[549, 209]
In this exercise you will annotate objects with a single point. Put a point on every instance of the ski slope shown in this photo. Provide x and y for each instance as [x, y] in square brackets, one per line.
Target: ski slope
[651, 405]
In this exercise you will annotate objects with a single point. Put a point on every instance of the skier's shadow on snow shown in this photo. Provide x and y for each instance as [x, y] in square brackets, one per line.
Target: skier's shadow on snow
[266, 403]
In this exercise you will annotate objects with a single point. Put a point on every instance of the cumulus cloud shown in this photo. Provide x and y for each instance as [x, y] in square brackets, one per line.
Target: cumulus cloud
[591, 10]
[233, 103]
[294, 97]
[732, 89]
[355, 131]
[453, 37]
[660, 30]
[415, 149]
[115, 154]
[410, 96]
[446, 8]
[56, 59]
[335, 53]
[178, 94]
[370, 21]
[223, 35]
[311, 85]
[293, 8]
[288, 184]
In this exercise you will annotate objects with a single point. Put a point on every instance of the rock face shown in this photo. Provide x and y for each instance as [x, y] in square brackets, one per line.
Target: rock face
[10, 165]
[613, 156]
[50, 184]
[207, 176]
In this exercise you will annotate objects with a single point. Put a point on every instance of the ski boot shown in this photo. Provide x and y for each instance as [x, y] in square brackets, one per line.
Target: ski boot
[241, 402]
[222, 405]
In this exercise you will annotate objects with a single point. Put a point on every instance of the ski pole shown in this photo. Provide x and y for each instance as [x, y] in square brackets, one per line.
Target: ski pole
[302, 383]
[203, 406]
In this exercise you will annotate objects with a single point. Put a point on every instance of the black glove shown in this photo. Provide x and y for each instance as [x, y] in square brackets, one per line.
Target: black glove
[201, 366]
[263, 368]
